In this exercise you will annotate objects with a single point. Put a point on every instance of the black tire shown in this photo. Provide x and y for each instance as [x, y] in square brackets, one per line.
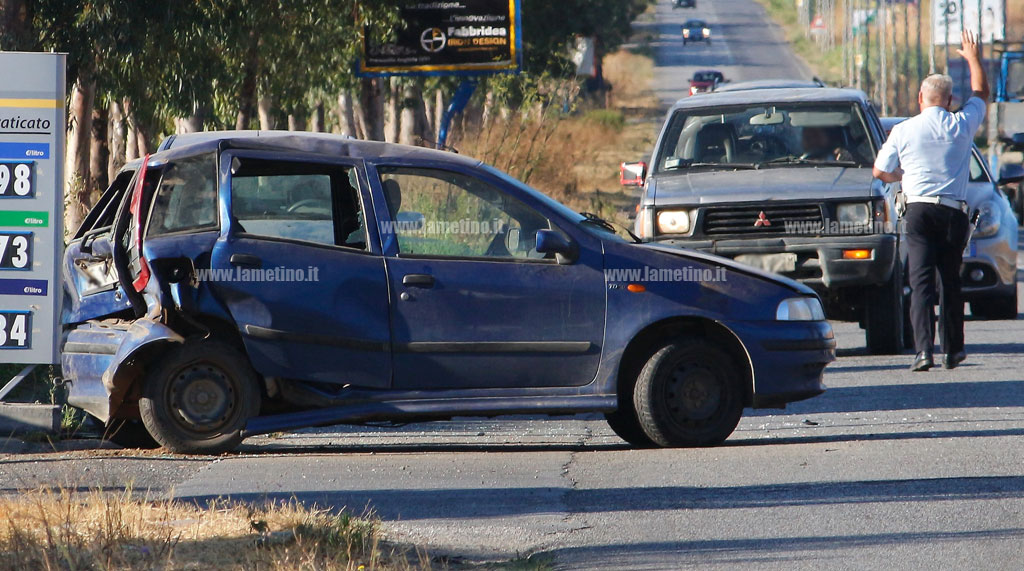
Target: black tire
[129, 433]
[997, 308]
[708, 375]
[197, 398]
[883, 319]
[625, 425]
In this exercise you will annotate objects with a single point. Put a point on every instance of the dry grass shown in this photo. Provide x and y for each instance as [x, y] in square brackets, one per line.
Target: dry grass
[64, 530]
[630, 75]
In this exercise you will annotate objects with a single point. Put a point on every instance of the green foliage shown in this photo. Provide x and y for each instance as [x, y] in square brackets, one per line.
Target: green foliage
[609, 118]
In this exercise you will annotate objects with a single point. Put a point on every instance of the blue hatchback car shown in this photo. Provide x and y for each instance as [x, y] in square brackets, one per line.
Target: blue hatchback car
[232, 286]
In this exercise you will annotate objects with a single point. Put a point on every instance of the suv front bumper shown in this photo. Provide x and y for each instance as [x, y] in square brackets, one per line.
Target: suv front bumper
[820, 261]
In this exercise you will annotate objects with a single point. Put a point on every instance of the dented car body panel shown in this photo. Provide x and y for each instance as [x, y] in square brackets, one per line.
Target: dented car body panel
[286, 249]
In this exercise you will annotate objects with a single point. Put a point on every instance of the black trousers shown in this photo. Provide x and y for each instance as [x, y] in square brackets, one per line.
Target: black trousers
[936, 237]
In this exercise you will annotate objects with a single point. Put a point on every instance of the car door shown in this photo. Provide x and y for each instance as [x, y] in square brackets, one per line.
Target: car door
[299, 273]
[474, 304]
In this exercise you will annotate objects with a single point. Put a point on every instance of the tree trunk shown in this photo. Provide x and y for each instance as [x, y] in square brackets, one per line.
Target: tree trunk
[392, 123]
[439, 108]
[76, 170]
[193, 123]
[346, 115]
[98, 154]
[319, 119]
[371, 108]
[409, 121]
[116, 144]
[247, 90]
[14, 21]
[267, 120]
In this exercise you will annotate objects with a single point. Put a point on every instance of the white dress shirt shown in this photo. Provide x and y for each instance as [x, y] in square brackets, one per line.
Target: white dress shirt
[934, 150]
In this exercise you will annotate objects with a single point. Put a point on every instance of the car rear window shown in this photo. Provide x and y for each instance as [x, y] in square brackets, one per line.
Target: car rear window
[186, 199]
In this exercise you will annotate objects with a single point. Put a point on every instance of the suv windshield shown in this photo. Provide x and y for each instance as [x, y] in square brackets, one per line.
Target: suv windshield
[766, 135]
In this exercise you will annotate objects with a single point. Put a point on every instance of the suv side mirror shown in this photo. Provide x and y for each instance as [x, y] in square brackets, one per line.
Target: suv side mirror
[553, 242]
[633, 174]
[1010, 174]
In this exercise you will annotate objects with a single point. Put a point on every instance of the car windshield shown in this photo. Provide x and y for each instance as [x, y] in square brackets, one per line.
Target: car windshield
[705, 76]
[695, 24]
[766, 135]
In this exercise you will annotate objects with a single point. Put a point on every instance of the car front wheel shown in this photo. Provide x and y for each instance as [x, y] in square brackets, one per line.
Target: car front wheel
[198, 396]
[689, 393]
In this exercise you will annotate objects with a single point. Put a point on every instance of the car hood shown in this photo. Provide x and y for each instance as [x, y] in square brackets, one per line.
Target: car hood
[731, 264]
[799, 183]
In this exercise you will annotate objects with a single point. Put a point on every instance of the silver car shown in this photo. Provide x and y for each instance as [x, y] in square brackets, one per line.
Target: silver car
[989, 271]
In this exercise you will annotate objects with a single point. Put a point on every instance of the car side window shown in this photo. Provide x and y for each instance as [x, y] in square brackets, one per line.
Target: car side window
[977, 171]
[443, 213]
[308, 202]
[186, 198]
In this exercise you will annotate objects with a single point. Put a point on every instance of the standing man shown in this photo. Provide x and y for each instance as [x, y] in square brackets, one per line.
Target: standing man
[931, 154]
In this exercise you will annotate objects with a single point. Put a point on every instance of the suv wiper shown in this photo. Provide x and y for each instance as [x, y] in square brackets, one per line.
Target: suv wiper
[595, 220]
[795, 160]
[688, 164]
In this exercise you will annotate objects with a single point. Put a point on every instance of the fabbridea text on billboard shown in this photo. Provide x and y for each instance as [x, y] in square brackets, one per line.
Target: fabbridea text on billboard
[467, 36]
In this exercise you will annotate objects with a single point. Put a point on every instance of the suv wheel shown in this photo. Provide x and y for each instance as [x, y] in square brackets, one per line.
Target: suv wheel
[883, 319]
[198, 396]
[689, 393]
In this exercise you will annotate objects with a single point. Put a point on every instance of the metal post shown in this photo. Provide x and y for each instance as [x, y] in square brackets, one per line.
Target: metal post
[458, 104]
[16, 380]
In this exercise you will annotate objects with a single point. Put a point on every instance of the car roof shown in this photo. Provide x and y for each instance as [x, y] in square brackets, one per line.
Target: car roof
[695, 23]
[772, 84]
[325, 144]
[757, 96]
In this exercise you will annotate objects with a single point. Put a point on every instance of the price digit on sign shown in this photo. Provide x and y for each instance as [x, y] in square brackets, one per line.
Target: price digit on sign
[16, 179]
[14, 329]
[15, 251]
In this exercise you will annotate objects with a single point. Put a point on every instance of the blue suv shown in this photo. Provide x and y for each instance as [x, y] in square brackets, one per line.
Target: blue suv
[236, 285]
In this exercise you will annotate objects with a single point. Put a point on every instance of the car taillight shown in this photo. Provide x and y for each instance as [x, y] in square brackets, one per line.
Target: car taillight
[136, 211]
[693, 89]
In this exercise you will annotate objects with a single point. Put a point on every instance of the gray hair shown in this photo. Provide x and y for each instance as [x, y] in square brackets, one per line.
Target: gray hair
[936, 89]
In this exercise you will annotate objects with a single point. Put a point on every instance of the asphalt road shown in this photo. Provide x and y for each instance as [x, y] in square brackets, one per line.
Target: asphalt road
[887, 470]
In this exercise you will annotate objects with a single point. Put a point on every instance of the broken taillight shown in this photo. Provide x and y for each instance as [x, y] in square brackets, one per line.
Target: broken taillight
[136, 211]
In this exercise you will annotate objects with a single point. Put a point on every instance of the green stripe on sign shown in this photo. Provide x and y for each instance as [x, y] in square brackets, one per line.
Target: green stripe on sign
[24, 218]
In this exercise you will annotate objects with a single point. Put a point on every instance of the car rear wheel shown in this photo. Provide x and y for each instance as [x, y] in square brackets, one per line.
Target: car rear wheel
[1004, 307]
[689, 393]
[198, 397]
[883, 320]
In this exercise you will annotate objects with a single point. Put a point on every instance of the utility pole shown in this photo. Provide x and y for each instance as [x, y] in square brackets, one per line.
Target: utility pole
[883, 71]
[920, 63]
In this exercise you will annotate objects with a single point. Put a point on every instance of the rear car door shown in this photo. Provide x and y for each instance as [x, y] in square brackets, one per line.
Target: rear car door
[298, 271]
[474, 304]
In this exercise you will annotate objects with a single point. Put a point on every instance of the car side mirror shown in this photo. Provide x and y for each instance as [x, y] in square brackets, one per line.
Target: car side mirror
[553, 242]
[633, 174]
[411, 221]
[1010, 174]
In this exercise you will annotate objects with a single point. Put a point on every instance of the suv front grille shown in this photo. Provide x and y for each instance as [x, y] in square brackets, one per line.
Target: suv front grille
[776, 219]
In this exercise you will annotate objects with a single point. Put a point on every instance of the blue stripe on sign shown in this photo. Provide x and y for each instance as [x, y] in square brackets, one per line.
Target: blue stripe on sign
[24, 150]
[23, 287]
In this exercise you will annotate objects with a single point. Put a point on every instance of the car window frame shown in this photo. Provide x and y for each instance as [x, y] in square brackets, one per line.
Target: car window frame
[230, 227]
[390, 241]
[215, 225]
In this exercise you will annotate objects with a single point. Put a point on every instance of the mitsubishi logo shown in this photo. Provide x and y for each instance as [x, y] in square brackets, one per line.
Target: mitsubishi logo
[762, 220]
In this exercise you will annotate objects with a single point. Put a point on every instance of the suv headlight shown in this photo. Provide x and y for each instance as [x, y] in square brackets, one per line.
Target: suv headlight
[674, 222]
[800, 309]
[706, 31]
[988, 220]
[854, 214]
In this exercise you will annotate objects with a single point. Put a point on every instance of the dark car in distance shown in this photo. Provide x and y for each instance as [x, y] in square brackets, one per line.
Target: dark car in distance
[684, 4]
[696, 31]
[706, 80]
[243, 285]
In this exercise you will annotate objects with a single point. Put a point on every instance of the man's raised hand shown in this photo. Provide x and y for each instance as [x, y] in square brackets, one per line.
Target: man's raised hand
[969, 46]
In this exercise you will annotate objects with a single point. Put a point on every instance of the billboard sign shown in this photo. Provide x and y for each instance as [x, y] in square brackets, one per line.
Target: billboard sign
[949, 17]
[464, 37]
[31, 205]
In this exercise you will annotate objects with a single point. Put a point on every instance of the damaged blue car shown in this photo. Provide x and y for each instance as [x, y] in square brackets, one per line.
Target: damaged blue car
[233, 285]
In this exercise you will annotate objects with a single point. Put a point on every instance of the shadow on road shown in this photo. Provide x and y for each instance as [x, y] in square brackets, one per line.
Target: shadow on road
[911, 396]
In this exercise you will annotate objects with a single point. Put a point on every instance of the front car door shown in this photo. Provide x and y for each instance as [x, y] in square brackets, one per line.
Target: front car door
[298, 271]
[474, 305]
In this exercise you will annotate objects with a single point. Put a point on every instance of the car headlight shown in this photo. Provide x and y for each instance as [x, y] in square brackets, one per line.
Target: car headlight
[686, 33]
[854, 214]
[673, 222]
[988, 220]
[800, 309]
[707, 32]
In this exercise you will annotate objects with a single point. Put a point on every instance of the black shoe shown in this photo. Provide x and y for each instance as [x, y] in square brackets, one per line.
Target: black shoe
[951, 361]
[923, 362]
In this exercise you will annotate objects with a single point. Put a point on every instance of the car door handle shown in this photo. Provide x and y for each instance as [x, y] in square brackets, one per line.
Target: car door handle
[246, 260]
[418, 280]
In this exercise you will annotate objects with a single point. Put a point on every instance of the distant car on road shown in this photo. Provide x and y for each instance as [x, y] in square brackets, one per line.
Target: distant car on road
[240, 286]
[781, 179]
[696, 31]
[706, 80]
[684, 4]
[989, 272]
